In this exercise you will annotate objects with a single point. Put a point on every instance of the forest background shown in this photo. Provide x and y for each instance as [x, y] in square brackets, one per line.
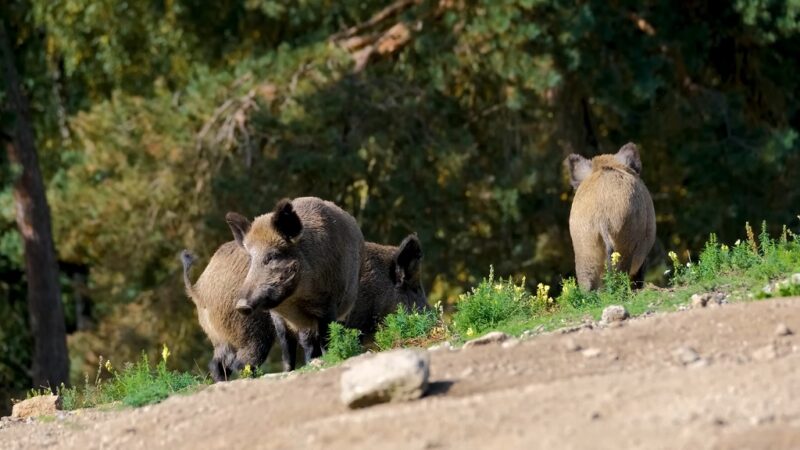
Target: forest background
[448, 118]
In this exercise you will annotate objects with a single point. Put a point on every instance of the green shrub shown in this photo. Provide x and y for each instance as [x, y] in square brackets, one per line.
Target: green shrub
[489, 304]
[136, 384]
[403, 328]
[616, 285]
[343, 343]
[572, 296]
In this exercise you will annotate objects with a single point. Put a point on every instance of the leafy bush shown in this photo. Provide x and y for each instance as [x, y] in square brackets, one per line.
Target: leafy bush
[343, 343]
[403, 328]
[760, 259]
[136, 384]
[573, 297]
[489, 304]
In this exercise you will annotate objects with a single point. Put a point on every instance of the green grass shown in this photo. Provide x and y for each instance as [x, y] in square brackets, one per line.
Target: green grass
[407, 329]
[136, 384]
[740, 270]
[343, 343]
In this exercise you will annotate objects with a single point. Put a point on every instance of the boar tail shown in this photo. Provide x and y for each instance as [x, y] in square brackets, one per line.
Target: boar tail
[187, 259]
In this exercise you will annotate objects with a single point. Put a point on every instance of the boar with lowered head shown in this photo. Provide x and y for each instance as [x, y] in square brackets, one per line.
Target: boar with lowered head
[612, 212]
[238, 340]
[390, 276]
[304, 264]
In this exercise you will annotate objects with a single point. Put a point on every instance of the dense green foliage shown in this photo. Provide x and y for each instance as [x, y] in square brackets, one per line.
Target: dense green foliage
[343, 343]
[155, 118]
[408, 328]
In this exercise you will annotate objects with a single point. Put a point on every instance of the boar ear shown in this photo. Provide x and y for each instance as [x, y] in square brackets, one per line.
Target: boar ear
[407, 260]
[239, 226]
[286, 221]
[629, 155]
[578, 168]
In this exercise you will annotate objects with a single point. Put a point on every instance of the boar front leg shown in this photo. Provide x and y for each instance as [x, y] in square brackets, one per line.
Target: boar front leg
[220, 365]
[287, 339]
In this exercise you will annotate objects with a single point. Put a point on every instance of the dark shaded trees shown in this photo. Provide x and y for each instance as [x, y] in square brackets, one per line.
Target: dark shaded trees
[46, 315]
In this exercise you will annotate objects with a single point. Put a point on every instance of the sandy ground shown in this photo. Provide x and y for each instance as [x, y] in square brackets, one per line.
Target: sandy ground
[632, 386]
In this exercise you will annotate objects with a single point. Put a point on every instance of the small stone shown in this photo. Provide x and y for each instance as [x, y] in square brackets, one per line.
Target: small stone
[527, 334]
[317, 363]
[571, 345]
[36, 406]
[442, 346]
[509, 343]
[766, 353]
[686, 355]
[398, 375]
[699, 300]
[591, 352]
[707, 299]
[595, 415]
[467, 372]
[795, 278]
[614, 313]
[495, 337]
[782, 330]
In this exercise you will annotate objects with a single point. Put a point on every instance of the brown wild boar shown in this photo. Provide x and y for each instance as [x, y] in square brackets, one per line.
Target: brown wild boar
[304, 264]
[612, 212]
[238, 340]
[390, 276]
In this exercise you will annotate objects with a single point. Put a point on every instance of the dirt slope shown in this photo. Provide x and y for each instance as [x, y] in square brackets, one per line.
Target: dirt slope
[637, 392]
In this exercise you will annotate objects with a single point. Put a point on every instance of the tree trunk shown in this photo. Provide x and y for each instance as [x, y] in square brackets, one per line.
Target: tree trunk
[50, 359]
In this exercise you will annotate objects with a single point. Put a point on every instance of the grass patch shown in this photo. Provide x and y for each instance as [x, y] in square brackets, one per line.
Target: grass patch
[136, 384]
[343, 343]
[740, 270]
[410, 329]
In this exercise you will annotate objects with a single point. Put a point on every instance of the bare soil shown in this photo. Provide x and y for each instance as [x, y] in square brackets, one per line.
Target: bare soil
[639, 385]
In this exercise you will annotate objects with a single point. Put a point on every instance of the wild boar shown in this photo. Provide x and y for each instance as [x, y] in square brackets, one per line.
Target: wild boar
[612, 212]
[390, 276]
[238, 340]
[304, 264]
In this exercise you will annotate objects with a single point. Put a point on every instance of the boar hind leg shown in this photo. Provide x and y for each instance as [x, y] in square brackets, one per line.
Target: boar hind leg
[309, 340]
[287, 339]
[638, 277]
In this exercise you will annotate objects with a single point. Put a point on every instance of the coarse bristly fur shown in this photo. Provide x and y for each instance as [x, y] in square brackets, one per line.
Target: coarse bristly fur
[390, 276]
[305, 259]
[612, 212]
[238, 340]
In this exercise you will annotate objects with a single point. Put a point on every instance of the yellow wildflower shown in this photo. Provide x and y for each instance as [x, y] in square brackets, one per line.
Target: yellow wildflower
[615, 257]
[108, 366]
[165, 353]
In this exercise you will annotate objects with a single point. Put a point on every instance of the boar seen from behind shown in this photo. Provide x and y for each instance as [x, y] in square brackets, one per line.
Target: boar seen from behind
[612, 212]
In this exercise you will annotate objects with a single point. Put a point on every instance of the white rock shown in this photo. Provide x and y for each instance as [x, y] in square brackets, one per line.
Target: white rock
[495, 337]
[36, 406]
[397, 375]
[509, 343]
